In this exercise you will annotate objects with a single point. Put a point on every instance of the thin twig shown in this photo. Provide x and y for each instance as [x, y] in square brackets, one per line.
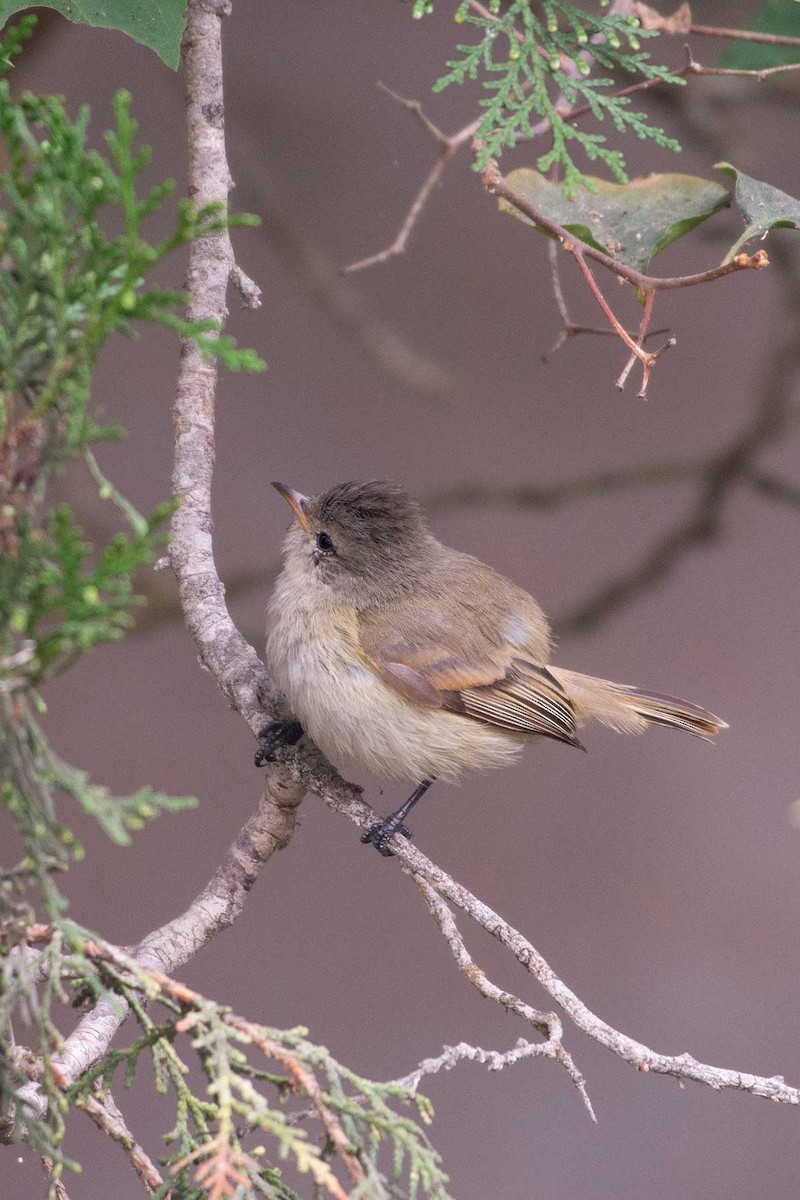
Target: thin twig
[576, 251]
[319, 777]
[448, 145]
[570, 328]
[760, 73]
[647, 358]
[744, 35]
[451, 1056]
[783, 490]
[49, 1167]
[106, 1115]
[648, 308]
[546, 1023]
[692, 68]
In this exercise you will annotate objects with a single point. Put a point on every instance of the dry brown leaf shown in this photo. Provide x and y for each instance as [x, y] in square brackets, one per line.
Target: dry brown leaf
[650, 18]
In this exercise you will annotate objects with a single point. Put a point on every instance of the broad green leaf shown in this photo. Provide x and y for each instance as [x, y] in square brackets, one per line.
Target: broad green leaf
[631, 222]
[773, 16]
[763, 207]
[158, 24]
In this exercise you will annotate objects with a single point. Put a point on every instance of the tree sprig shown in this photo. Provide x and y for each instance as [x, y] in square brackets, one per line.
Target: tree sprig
[530, 53]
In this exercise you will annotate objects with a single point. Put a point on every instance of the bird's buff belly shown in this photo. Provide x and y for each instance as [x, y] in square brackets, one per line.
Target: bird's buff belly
[362, 725]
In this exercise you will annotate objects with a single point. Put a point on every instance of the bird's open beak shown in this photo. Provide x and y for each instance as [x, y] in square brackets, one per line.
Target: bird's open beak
[296, 499]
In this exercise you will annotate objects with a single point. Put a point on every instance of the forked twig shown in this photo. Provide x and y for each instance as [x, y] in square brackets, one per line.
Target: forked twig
[448, 145]
[494, 183]
[546, 1023]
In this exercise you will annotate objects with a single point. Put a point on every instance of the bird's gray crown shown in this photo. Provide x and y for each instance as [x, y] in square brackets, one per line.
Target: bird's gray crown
[374, 511]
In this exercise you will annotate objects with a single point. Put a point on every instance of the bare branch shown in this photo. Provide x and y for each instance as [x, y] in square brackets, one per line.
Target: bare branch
[648, 308]
[744, 35]
[56, 1182]
[682, 1066]
[762, 73]
[215, 908]
[344, 798]
[783, 490]
[448, 145]
[106, 1115]
[547, 1024]
[451, 1056]
[647, 358]
[571, 329]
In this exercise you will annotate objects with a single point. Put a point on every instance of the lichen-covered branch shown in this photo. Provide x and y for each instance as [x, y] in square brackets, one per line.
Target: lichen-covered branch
[343, 797]
[107, 1117]
[548, 1024]
[223, 651]
[451, 1056]
[166, 949]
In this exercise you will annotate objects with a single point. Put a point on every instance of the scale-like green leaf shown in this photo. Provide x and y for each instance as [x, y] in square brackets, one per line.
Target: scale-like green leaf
[158, 24]
[631, 222]
[763, 207]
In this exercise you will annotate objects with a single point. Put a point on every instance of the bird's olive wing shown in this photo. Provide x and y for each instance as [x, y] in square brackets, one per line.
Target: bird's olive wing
[479, 678]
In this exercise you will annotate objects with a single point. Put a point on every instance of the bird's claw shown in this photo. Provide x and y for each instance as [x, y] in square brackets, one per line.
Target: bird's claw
[382, 832]
[273, 736]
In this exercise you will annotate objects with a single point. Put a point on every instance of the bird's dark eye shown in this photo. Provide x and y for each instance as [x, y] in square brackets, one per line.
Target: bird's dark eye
[325, 544]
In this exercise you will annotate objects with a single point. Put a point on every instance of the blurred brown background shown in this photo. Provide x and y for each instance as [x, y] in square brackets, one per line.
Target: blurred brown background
[659, 875]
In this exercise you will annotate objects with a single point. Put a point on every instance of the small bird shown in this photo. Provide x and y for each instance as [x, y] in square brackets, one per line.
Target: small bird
[412, 661]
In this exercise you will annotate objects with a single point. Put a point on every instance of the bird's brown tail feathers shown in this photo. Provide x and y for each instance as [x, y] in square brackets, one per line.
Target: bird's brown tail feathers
[629, 710]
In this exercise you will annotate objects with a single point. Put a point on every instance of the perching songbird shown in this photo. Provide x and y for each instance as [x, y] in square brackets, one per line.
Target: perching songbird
[412, 661]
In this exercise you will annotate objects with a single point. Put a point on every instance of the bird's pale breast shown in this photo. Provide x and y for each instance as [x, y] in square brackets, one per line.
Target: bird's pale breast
[357, 720]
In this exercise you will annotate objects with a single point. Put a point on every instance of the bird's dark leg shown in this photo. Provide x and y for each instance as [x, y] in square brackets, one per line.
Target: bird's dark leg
[275, 735]
[382, 832]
